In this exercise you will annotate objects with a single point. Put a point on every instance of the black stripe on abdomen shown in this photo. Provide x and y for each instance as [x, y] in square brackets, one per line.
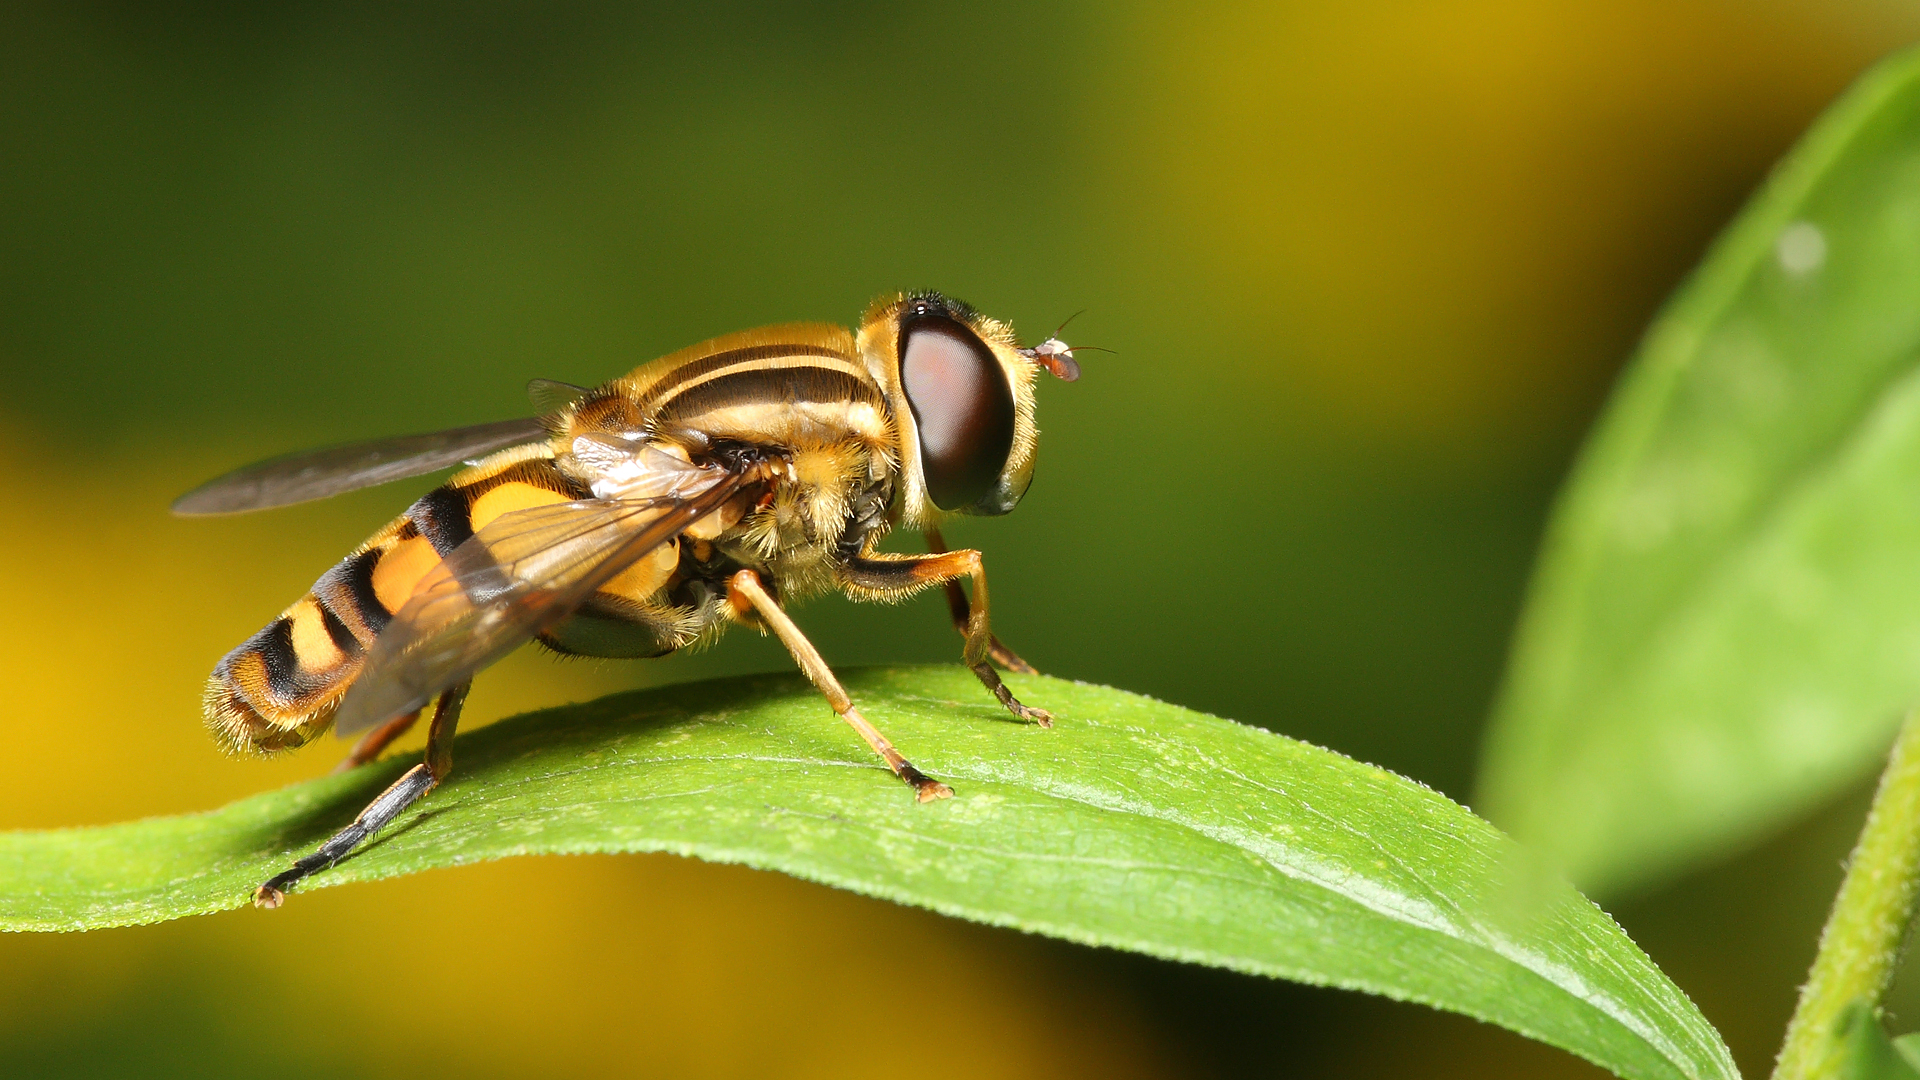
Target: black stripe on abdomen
[273, 644]
[443, 516]
[347, 591]
[337, 631]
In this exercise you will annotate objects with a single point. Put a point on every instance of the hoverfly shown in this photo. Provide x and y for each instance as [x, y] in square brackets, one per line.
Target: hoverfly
[705, 488]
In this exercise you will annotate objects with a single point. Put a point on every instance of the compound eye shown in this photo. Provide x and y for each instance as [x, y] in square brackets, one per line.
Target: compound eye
[962, 409]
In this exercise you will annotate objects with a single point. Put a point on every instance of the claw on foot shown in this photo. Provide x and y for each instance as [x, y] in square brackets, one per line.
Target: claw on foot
[991, 680]
[925, 788]
[268, 897]
[1038, 716]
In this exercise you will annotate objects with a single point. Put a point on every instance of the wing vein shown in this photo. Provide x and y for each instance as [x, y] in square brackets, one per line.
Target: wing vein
[518, 576]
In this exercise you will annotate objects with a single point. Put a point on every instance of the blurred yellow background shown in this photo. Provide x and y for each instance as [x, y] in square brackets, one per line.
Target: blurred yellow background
[1368, 268]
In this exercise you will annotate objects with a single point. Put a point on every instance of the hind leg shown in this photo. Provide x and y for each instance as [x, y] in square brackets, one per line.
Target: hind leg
[404, 792]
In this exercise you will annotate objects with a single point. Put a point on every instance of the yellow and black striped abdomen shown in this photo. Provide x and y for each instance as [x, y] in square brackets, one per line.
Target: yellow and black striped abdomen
[280, 687]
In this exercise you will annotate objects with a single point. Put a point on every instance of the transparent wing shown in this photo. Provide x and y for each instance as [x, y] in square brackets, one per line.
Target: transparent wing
[522, 573]
[551, 395]
[316, 474]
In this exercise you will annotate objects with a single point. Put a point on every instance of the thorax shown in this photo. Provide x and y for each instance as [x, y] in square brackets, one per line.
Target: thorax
[803, 392]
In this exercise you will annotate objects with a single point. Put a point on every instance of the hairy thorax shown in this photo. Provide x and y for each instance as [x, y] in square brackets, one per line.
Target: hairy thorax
[830, 433]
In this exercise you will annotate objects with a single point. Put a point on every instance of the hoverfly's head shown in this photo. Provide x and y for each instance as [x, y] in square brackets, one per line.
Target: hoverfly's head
[962, 394]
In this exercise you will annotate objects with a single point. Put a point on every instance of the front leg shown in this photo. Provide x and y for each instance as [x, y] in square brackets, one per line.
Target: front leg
[899, 575]
[962, 611]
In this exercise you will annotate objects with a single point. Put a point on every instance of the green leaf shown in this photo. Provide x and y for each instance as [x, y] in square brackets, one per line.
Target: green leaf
[1131, 824]
[1724, 628]
[1908, 1047]
[1870, 1055]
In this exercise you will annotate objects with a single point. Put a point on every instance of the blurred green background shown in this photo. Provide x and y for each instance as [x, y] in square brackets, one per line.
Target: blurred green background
[1369, 268]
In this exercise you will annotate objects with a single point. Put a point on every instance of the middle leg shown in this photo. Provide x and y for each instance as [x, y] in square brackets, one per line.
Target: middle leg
[894, 575]
[748, 594]
[373, 742]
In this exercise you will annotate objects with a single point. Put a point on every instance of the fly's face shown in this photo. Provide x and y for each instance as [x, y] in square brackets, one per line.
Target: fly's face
[962, 394]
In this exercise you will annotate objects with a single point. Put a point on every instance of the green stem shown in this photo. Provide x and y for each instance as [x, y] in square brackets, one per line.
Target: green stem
[1861, 943]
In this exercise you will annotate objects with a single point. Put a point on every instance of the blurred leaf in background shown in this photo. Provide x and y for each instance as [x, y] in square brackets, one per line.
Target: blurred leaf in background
[1368, 266]
[1724, 631]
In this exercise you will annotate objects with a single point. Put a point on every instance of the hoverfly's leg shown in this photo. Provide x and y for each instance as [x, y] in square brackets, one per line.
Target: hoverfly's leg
[373, 742]
[414, 783]
[747, 593]
[903, 573]
[957, 604]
